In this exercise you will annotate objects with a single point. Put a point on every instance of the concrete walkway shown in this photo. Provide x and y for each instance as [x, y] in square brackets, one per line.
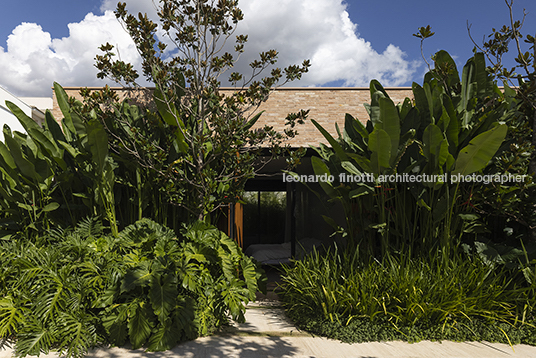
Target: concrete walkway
[268, 334]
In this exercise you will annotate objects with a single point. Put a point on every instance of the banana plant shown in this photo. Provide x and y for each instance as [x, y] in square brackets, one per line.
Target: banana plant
[451, 127]
[55, 172]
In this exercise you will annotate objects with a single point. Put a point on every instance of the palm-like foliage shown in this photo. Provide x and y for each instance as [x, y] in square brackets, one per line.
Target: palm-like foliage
[452, 128]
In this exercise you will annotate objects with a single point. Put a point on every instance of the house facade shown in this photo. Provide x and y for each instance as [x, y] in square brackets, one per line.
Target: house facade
[33, 107]
[326, 105]
[299, 219]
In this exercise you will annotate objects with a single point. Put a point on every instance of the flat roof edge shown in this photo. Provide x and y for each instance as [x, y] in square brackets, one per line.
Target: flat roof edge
[277, 89]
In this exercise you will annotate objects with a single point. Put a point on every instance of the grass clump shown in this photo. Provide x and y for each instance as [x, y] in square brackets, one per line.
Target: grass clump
[437, 298]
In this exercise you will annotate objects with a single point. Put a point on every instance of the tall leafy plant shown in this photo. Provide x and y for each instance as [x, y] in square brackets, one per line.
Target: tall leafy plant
[57, 174]
[211, 147]
[453, 127]
[513, 206]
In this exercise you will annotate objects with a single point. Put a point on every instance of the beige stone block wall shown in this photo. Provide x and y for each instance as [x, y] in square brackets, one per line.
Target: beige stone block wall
[326, 105]
[75, 92]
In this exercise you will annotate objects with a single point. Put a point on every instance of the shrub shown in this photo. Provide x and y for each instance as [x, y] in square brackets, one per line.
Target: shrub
[73, 289]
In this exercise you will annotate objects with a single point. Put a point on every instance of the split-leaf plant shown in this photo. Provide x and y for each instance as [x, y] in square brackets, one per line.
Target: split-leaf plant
[74, 289]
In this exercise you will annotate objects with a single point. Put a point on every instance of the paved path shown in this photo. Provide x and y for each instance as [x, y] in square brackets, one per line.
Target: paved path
[268, 334]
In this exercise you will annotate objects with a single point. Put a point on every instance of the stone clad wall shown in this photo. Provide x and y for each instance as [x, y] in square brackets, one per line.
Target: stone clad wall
[327, 106]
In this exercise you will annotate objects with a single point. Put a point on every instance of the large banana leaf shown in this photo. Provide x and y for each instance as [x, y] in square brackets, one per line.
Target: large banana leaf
[432, 139]
[26, 167]
[6, 159]
[390, 123]
[39, 135]
[379, 144]
[334, 144]
[98, 144]
[443, 60]
[421, 102]
[171, 116]
[320, 168]
[480, 150]
[453, 128]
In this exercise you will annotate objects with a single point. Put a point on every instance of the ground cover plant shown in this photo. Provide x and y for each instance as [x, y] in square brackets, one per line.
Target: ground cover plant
[420, 260]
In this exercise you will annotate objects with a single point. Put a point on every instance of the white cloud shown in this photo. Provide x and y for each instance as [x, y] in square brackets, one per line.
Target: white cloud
[319, 30]
[33, 61]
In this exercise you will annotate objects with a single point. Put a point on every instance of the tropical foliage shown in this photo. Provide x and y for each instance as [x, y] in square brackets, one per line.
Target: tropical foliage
[72, 289]
[424, 298]
[508, 41]
[202, 143]
[55, 175]
[175, 155]
[420, 260]
[452, 129]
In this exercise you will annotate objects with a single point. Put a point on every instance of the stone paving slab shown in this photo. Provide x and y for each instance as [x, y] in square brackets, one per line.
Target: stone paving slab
[276, 347]
[265, 319]
[268, 333]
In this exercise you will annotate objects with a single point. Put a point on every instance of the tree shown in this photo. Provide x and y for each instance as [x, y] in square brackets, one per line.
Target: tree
[522, 129]
[497, 47]
[208, 146]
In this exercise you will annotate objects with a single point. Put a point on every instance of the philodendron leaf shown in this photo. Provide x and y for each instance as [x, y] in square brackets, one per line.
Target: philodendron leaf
[476, 155]
[164, 337]
[139, 326]
[138, 276]
[250, 276]
[10, 316]
[163, 295]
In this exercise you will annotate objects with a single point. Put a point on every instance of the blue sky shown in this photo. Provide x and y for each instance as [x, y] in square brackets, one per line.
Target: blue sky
[349, 42]
[384, 22]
